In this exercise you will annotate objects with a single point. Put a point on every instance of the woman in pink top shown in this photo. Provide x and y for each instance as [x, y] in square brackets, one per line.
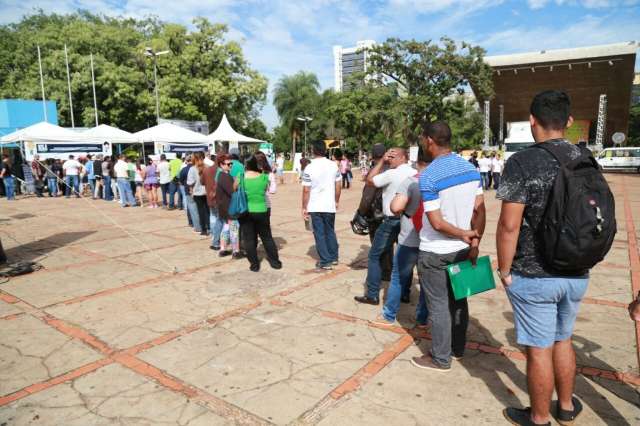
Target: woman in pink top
[345, 168]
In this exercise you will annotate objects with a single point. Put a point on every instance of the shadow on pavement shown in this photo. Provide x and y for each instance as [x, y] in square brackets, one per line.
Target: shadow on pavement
[36, 249]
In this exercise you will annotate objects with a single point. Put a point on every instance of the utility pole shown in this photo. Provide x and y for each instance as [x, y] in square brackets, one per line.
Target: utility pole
[93, 83]
[66, 59]
[44, 101]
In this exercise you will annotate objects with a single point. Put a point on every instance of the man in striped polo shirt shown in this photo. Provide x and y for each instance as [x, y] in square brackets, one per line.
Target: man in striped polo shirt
[453, 224]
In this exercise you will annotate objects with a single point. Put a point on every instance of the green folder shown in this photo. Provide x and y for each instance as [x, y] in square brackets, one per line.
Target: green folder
[467, 280]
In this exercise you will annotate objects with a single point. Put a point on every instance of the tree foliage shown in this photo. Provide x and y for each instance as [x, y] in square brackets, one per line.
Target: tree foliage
[426, 73]
[203, 76]
[634, 126]
[296, 96]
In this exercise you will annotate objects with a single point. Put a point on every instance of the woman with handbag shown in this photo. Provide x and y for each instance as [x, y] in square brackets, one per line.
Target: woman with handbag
[199, 192]
[229, 241]
[255, 222]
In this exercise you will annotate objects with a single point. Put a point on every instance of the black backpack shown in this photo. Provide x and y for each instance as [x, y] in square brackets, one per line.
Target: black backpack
[579, 223]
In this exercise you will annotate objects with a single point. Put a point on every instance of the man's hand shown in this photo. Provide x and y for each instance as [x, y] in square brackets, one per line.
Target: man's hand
[473, 255]
[305, 214]
[470, 235]
[506, 280]
[389, 155]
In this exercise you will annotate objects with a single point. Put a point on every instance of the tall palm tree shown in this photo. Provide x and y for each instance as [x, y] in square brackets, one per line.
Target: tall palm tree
[295, 96]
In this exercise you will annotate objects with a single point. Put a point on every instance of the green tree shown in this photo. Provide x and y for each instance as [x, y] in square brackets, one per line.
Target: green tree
[466, 122]
[426, 73]
[296, 96]
[203, 77]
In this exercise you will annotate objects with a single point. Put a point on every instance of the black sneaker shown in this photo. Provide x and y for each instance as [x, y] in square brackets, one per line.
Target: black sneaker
[405, 299]
[520, 416]
[367, 300]
[224, 253]
[567, 418]
[276, 264]
[216, 248]
[237, 255]
[255, 268]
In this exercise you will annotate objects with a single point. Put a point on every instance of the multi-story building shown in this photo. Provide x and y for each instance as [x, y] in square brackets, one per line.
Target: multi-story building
[349, 60]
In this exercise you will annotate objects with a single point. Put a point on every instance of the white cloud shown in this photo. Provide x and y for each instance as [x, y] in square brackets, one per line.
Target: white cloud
[588, 4]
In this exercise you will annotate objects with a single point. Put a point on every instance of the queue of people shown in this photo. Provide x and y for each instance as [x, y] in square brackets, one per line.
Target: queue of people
[436, 216]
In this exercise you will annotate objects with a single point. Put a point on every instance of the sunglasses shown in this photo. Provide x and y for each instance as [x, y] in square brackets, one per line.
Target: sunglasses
[226, 164]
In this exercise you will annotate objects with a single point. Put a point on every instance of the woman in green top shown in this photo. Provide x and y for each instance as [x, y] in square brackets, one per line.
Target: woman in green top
[256, 221]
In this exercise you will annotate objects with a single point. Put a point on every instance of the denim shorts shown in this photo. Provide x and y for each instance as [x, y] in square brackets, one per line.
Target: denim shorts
[545, 309]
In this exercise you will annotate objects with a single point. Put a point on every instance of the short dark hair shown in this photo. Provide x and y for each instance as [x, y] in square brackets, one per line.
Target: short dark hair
[253, 165]
[163, 157]
[178, 155]
[71, 157]
[319, 148]
[423, 155]
[439, 131]
[551, 109]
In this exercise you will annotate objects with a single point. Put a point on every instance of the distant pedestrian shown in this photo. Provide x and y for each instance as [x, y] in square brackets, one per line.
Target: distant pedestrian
[151, 183]
[121, 170]
[497, 165]
[8, 180]
[164, 174]
[229, 239]
[71, 169]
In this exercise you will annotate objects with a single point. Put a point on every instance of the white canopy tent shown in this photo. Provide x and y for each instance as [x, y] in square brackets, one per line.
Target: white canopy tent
[225, 133]
[169, 139]
[43, 132]
[111, 134]
[50, 141]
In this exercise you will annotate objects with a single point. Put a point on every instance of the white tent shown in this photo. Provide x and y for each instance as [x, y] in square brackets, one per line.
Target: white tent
[225, 133]
[170, 133]
[170, 139]
[44, 132]
[106, 133]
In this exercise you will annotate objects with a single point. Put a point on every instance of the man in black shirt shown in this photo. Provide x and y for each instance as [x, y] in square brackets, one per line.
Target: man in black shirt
[545, 303]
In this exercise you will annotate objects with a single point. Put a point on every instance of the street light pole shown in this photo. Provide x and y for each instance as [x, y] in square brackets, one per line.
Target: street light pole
[149, 52]
[305, 119]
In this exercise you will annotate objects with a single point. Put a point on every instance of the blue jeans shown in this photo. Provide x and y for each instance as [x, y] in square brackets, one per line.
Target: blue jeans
[108, 196]
[401, 277]
[324, 234]
[126, 196]
[164, 188]
[545, 309]
[9, 187]
[173, 189]
[92, 185]
[52, 187]
[192, 210]
[183, 194]
[215, 224]
[496, 181]
[386, 235]
[485, 180]
[72, 181]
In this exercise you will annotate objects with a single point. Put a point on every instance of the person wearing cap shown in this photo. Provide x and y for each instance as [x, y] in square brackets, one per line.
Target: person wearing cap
[386, 235]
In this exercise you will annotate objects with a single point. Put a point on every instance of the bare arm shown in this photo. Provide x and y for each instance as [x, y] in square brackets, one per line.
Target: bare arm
[338, 192]
[374, 172]
[306, 190]
[507, 236]
[399, 203]
[478, 223]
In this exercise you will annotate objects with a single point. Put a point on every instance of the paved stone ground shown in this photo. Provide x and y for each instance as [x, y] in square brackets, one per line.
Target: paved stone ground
[107, 334]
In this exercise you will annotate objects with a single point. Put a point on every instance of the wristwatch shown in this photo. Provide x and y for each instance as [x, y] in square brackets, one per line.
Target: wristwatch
[502, 275]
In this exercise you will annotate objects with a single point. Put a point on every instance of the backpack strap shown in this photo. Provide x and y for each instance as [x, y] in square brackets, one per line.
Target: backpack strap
[585, 156]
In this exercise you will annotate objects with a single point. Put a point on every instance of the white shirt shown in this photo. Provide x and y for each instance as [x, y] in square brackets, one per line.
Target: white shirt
[71, 167]
[280, 163]
[485, 165]
[208, 162]
[164, 172]
[321, 175]
[390, 181]
[497, 165]
[121, 169]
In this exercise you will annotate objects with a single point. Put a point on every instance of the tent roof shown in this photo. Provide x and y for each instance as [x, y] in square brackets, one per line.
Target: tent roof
[111, 134]
[170, 133]
[44, 132]
[225, 132]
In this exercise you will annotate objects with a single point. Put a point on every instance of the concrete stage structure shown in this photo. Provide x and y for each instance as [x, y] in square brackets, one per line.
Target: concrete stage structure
[584, 73]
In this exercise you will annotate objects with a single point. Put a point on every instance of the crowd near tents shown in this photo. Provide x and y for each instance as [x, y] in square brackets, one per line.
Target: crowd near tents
[51, 141]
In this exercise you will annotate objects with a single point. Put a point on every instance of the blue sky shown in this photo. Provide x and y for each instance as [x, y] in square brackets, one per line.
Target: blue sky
[281, 37]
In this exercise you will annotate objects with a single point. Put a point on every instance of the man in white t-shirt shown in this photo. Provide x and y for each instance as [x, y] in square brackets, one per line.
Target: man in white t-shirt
[121, 170]
[455, 221]
[320, 196]
[388, 231]
[164, 177]
[497, 164]
[71, 169]
[484, 165]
